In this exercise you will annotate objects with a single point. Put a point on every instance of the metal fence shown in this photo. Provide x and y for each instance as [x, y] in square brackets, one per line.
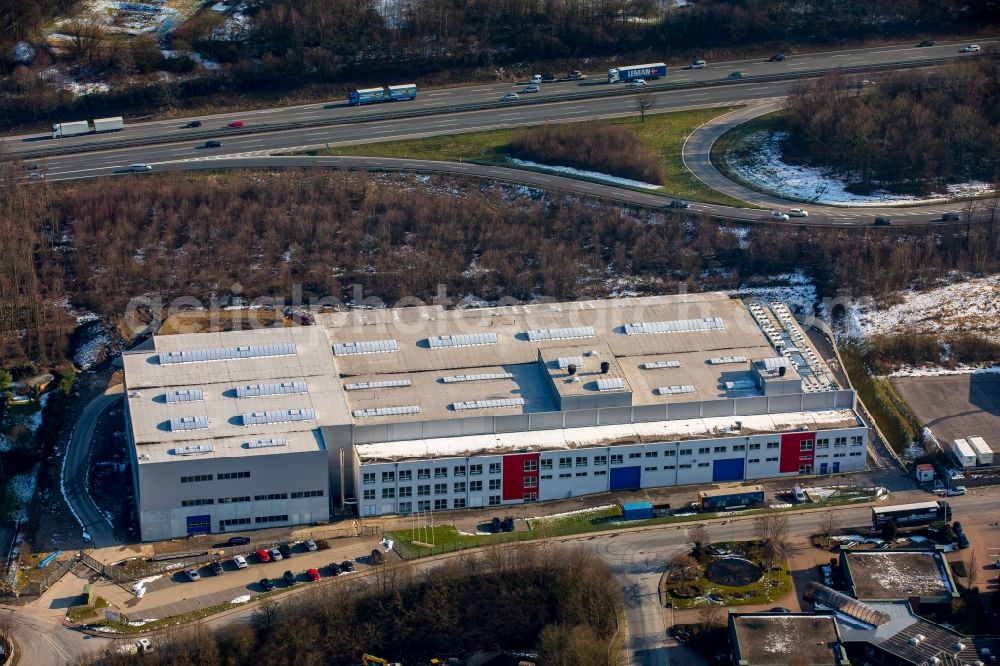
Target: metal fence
[35, 588]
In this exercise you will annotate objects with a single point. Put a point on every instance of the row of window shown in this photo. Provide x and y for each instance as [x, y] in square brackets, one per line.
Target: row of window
[232, 522]
[221, 477]
[439, 489]
[569, 475]
[234, 500]
[307, 493]
[271, 496]
[197, 502]
[246, 498]
[425, 473]
[271, 519]
[839, 442]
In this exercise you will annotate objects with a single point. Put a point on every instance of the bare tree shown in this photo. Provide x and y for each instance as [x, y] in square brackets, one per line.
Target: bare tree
[709, 617]
[698, 537]
[771, 527]
[683, 568]
[86, 33]
[972, 569]
[643, 103]
[828, 525]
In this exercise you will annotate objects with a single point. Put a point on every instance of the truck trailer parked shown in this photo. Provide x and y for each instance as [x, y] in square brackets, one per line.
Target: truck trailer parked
[729, 498]
[96, 126]
[964, 453]
[400, 93]
[984, 454]
[631, 72]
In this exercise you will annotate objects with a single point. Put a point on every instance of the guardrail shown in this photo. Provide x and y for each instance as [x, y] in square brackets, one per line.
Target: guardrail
[463, 108]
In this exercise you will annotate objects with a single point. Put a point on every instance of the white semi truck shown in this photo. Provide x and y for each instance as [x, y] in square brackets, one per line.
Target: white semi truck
[97, 126]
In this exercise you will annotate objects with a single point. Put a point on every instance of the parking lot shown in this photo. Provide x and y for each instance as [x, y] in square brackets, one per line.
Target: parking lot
[955, 406]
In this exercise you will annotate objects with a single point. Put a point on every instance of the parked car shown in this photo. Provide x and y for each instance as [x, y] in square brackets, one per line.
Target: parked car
[217, 568]
[193, 123]
[495, 525]
[377, 557]
[530, 89]
[798, 212]
[509, 97]
[996, 565]
[963, 541]
[192, 575]
[313, 574]
[778, 215]
[266, 584]
[881, 221]
[971, 48]
[289, 578]
[238, 541]
[636, 83]
[335, 569]
[950, 217]
[347, 566]
[311, 546]
[508, 524]
[780, 609]
[735, 75]
[698, 64]
[240, 562]
[285, 550]
[263, 556]
[927, 42]
[275, 554]
[678, 203]
[957, 527]
[236, 124]
[213, 144]
[777, 57]
[957, 490]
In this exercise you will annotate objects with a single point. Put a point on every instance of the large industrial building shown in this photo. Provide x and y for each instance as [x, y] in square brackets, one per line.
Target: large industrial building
[428, 409]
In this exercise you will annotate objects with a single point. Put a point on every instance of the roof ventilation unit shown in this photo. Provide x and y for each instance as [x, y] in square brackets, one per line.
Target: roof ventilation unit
[610, 384]
[566, 361]
[469, 340]
[227, 353]
[278, 416]
[656, 365]
[674, 390]
[184, 395]
[365, 347]
[265, 443]
[385, 383]
[487, 404]
[561, 333]
[741, 385]
[722, 360]
[452, 379]
[677, 326]
[188, 423]
[193, 449]
[283, 388]
[386, 411]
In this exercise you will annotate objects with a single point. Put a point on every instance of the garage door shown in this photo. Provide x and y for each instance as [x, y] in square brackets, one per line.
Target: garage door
[625, 478]
[727, 470]
[199, 524]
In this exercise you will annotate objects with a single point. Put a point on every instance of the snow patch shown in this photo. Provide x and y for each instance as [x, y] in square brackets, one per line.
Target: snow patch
[578, 512]
[241, 599]
[595, 175]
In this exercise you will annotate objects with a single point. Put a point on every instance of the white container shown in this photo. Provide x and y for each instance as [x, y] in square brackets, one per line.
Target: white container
[964, 453]
[984, 454]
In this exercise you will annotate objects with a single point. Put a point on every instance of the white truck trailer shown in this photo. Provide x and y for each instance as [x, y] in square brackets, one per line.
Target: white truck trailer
[983, 451]
[97, 126]
[964, 453]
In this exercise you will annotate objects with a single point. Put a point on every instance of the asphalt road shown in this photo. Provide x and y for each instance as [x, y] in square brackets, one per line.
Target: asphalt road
[444, 100]
[76, 468]
[635, 557]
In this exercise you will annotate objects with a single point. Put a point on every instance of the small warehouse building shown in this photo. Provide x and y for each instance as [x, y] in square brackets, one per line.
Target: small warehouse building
[920, 577]
[786, 639]
[925, 473]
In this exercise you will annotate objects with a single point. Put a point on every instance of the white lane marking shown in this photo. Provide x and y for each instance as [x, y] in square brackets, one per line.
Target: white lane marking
[481, 89]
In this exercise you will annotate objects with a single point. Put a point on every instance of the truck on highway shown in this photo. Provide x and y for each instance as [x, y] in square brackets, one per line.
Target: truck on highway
[96, 126]
[648, 71]
[400, 93]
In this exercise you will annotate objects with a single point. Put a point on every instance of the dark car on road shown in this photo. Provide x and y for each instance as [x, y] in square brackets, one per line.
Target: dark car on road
[347, 565]
[950, 217]
[735, 75]
[266, 584]
[217, 568]
[334, 568]
[193, 123]
[882, 221]
[289, 577]
[927, 42]
[285, 550]
[678, 203]
[238, 541]
[777, 57]
[213, 144]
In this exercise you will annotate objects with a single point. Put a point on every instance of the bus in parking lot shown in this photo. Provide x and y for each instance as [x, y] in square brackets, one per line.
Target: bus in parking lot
[918, 513]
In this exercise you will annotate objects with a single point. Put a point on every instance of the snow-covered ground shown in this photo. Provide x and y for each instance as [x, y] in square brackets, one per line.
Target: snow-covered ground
[594, 175]
[136, 16]
[794, 289]
[23, 487]
[764, 166]
[970, 306]
[579, 512]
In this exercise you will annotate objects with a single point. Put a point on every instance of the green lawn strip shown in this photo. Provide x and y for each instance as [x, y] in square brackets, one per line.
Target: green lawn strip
[424, 541]
[897, 428]
[662, 132]
[111, 629]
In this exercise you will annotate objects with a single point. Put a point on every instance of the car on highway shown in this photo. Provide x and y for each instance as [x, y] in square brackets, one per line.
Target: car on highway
[34, 175]
[311, 545]
[266, 584]
[509, 97]
[212, 143]
[698, 64]
[735, 75]
[575, 75]
[285, 550]
[971, 48]
[334, 568]
[530, 89]
[236, 124]
[778, 215]
[927, 42]
[289, 578]
[636, 83]
[193, 123]
[957, 490]
[678, 203]
[238, 541]
[275, 554]
[950, 217]
[139, 167]
[777, 57]
[240, 562]
[882, 221]
[865, 83]
[263, 556]
[347, 566]
[32, 167]
[192, 575]
[217, 568]
[798, 212]
[535, 79]
[313, 574]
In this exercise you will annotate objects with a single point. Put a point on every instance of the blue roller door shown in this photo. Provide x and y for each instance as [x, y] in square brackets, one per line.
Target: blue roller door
[199, 524]
[625, 478]
[727, 470]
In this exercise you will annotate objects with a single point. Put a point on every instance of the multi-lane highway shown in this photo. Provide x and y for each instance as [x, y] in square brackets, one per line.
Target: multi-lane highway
[166, 145]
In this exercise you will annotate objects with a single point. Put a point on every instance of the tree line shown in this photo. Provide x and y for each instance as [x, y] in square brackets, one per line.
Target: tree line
[563, 605]
[258, 234]
[910, 132]
[327, 46]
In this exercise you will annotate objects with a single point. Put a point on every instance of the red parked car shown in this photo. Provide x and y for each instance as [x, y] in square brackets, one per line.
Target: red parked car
[313, 574]
[236, 123]
[263, 556]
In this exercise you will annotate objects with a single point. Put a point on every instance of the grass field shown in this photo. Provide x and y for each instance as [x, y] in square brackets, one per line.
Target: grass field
[662, 132]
